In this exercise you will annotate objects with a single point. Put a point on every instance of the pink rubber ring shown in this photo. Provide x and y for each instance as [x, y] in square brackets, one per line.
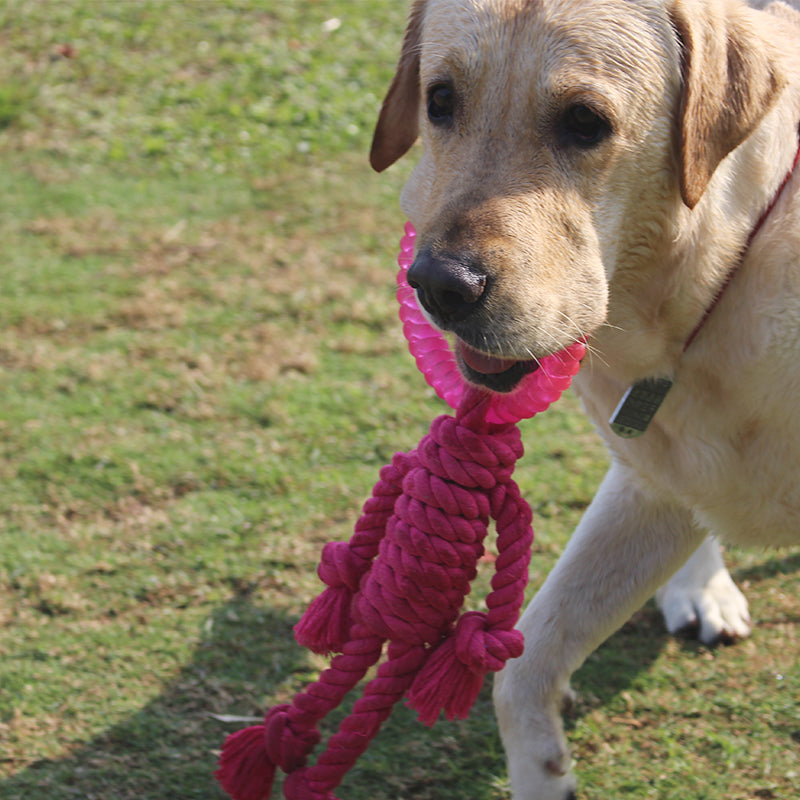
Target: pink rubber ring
[434, 358]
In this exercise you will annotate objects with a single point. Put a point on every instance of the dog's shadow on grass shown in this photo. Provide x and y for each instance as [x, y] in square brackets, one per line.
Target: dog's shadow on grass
[615, 665]
[168, 749]
[781, 564]
[613, 668]
[247, 656]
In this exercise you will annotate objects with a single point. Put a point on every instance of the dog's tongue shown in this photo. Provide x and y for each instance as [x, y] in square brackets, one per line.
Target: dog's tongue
[486, 365]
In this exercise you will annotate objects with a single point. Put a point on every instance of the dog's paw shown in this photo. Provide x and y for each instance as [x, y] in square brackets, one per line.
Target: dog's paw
[539, 760]
[540, 770]
[702, 598]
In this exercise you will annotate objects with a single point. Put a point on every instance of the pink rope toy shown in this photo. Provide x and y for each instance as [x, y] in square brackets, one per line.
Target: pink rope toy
[403, 576]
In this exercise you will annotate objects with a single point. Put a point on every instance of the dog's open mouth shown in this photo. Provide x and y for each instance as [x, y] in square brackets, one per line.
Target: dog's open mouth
[497, 374]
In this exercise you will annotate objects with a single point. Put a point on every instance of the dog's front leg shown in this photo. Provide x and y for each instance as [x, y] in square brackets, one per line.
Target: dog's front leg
[626, 545]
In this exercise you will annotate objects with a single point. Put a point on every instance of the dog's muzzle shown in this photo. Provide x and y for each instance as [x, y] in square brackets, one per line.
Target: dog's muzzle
[451, 289]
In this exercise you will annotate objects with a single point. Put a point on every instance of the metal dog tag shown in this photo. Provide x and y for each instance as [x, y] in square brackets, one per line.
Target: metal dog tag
[638, 407]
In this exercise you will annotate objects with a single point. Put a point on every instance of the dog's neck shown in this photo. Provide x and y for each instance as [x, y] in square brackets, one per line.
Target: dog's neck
[679, 279]
[643, 399]
[753, 233]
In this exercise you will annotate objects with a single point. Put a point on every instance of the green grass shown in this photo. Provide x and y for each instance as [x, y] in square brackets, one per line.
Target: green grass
[201, 375]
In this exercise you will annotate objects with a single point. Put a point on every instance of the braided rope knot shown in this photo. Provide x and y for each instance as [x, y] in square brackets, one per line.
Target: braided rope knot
[484, 648]
[456, 452]
[340, 565]
[285, 746]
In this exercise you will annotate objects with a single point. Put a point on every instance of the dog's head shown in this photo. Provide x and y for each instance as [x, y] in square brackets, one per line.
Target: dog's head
[559, 137]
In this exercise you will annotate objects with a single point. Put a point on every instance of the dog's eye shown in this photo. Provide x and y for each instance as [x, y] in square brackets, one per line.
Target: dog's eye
[441, 104]
[583, 126]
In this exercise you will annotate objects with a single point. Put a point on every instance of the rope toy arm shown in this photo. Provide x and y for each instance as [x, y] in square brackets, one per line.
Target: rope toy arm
[325, 626]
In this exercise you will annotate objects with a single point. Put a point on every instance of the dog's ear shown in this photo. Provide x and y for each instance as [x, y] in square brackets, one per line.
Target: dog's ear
[398, 123]
[729, 83]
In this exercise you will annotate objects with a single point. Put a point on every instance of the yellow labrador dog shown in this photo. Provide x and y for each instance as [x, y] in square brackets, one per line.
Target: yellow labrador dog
[624, 171]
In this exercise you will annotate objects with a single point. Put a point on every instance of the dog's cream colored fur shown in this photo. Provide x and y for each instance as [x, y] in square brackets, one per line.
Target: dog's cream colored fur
[627, 243]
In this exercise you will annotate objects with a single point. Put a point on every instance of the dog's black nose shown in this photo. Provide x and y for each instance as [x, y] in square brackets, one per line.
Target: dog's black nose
[447, 287]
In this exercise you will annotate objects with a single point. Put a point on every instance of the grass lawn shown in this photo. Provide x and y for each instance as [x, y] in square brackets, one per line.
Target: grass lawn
[202, 373]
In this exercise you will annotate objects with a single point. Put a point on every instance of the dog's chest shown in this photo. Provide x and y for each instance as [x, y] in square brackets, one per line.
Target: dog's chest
[725, 446]
[741, 483]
